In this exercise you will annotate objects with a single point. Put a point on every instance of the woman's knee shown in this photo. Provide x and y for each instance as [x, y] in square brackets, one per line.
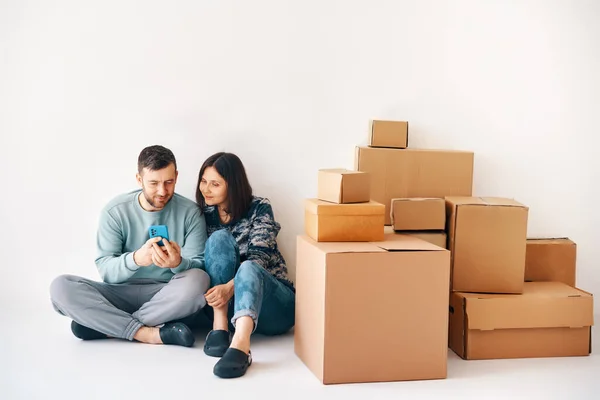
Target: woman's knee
[222, 256]
[219, 241]
[249, 269]
[249, 278]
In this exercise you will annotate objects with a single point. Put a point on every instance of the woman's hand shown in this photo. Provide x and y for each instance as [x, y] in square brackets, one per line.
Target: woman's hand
[219, 295]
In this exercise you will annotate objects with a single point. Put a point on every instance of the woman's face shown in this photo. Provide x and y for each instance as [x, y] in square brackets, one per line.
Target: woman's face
[213, 188]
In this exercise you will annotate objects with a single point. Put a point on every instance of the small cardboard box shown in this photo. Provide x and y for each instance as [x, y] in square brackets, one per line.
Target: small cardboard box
[487, 237]
[551, 260]
[418, 214]
[343, 336]
[344, 186]
[415, 173]
[550, 319]
[357, 222]
[393, 134]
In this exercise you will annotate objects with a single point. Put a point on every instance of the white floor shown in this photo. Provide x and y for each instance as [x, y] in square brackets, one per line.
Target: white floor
[40, 359]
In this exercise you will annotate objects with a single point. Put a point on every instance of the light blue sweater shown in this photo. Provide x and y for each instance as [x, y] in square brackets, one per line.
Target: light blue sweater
[123, 229]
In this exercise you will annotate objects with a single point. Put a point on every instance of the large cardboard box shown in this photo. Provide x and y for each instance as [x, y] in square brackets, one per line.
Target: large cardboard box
[415, 173]
[550, 319]
[434, 237]
[343, 186]
[551, 260]
[392, 134]
[418, 214]
[487, 237]
[357, 222]
[371, 312]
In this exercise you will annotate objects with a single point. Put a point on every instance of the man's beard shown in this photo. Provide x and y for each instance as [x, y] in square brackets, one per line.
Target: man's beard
[153, 204]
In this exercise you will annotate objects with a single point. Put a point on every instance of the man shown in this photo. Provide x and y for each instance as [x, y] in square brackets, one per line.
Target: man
[144, 285]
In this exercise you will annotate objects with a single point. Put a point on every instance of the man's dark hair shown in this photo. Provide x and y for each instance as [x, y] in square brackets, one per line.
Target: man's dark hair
[239, 191]
[156, 157]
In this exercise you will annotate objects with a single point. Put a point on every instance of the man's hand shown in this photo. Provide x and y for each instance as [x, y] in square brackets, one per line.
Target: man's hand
[170, 257]
[143, 256]
[219, 295]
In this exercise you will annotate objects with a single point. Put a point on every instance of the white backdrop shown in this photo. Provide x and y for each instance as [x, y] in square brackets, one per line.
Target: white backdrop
[290, 86]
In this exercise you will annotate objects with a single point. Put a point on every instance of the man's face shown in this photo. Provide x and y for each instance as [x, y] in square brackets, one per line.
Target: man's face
[158, 186]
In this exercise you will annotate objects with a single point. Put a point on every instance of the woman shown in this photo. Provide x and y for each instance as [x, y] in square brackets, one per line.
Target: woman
[247, 272]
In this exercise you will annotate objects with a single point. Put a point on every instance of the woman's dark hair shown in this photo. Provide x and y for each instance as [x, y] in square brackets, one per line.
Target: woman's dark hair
[239, 191]
[155, 158]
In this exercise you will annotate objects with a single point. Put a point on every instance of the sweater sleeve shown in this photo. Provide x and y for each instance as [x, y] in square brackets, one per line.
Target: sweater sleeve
[262, 244]
[113, 265]
[192, 251]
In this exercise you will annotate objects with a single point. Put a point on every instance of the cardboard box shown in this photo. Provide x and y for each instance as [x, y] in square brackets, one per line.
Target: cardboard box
[357, 222]
[344, 186]
[372, 312]
[487, 237]
[437, 238]
[551, 260]
[415, 173]
[392, 134]
[550, 319]
[418, 214]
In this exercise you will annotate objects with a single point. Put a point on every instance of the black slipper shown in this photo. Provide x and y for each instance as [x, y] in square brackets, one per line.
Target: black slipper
[233, 364]
[217, 342]
[85, 333]
[177, 333]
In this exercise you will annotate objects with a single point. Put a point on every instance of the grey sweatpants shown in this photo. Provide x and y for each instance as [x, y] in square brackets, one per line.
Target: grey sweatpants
[119, 310]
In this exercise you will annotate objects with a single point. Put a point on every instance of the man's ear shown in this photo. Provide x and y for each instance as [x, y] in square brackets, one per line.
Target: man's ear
[138, 178]
[176, 175]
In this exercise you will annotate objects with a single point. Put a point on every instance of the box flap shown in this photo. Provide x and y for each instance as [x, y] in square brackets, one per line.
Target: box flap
[551, 240]
[411, 150]
[391, 242]
[483, 201]
[417, 199]
[542, 305]
[399, 242]
[316, 206]
[344, 247]
[341, 171]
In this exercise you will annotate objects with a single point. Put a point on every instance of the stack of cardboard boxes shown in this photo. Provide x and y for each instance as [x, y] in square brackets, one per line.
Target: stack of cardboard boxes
[512, 297]
[343, 211]
[378, 305]
[372, 306]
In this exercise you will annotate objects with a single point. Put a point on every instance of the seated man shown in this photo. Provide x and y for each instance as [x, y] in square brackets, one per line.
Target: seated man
[145, 283]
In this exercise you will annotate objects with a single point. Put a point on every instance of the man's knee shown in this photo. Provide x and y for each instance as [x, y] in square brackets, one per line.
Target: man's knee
[185, 297]
[195, 282]
[62, 289]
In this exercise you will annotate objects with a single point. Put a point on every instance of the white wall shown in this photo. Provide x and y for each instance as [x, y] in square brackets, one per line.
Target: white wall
[290, 87]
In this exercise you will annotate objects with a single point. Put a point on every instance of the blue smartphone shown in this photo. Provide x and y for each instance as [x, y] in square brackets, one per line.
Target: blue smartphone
[159, 231]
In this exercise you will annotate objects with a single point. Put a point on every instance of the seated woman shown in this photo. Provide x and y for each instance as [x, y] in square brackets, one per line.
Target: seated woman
[249, 282]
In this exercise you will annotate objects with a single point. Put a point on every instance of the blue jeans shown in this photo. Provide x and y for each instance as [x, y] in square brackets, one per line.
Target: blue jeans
[257, 293]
